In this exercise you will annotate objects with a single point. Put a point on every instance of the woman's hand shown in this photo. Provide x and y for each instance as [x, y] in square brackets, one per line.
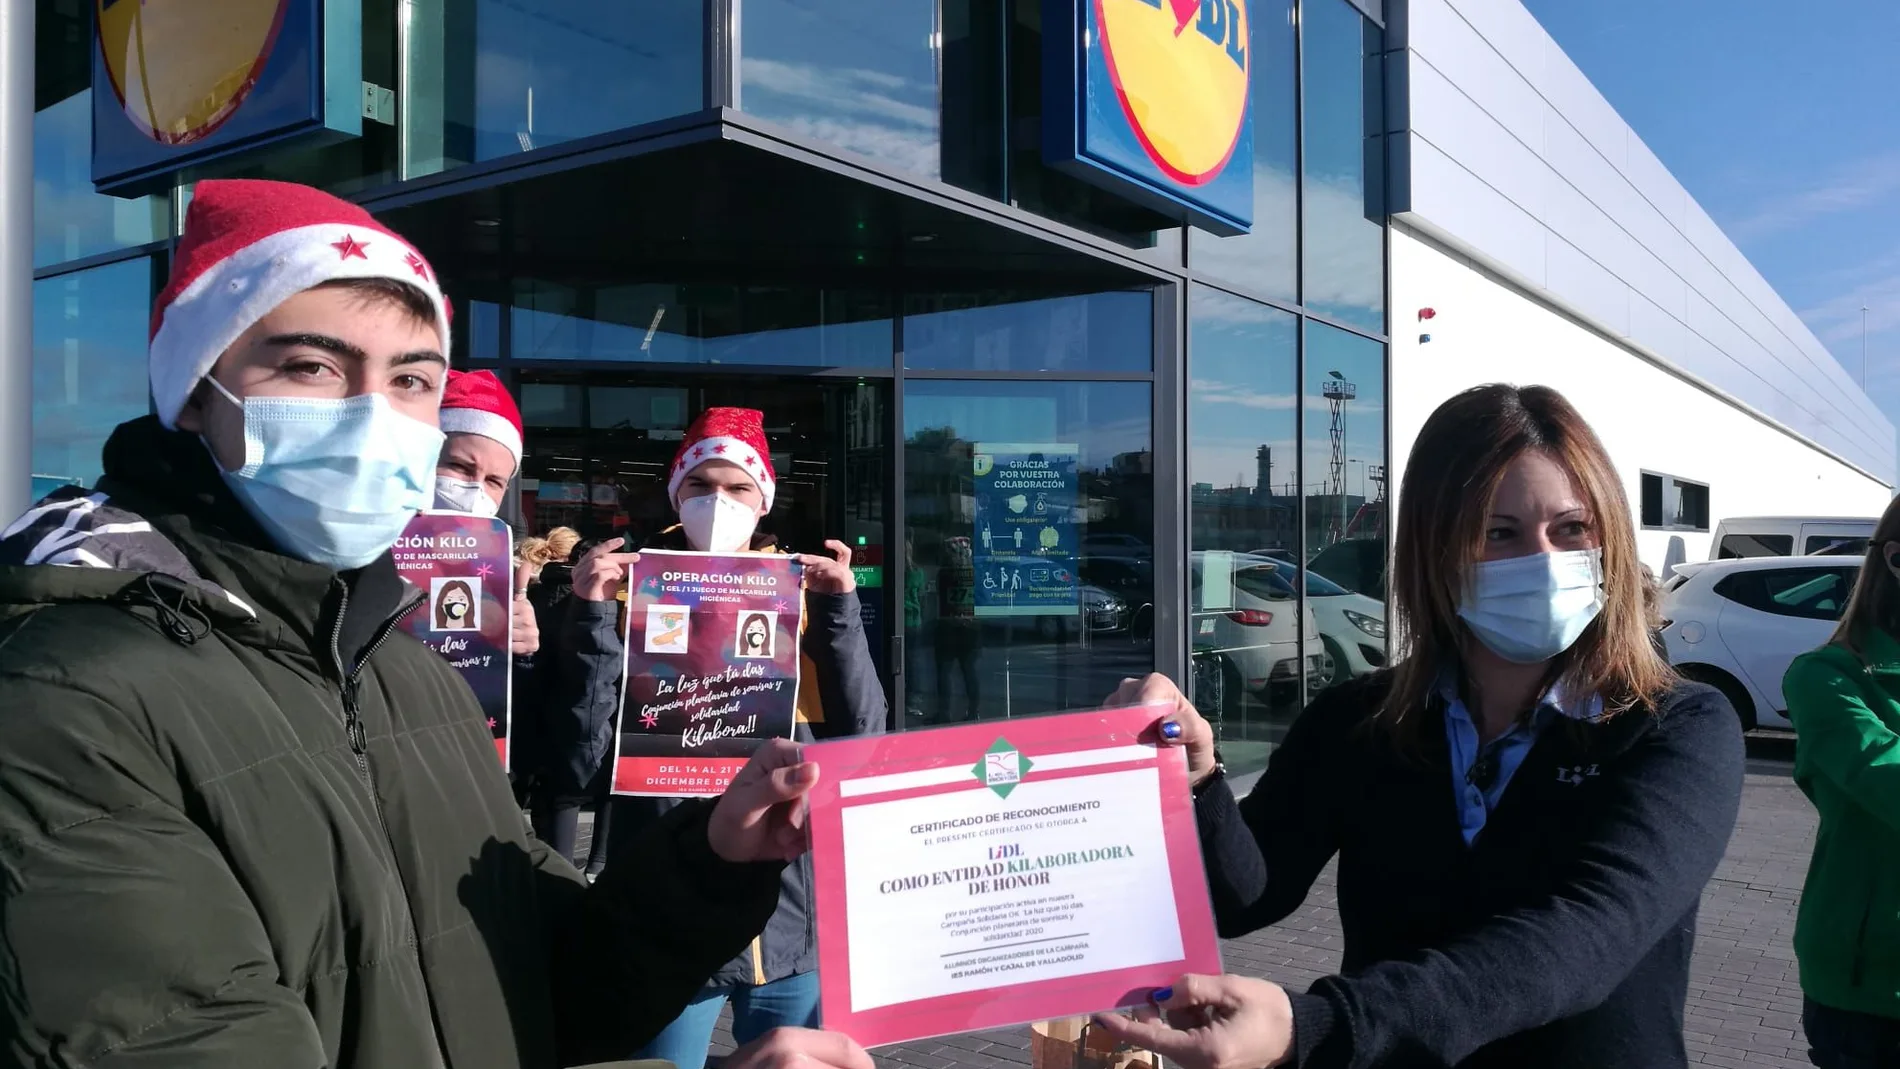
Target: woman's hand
[761, 817]
[599, 574]
[1184, 727]
[829, 575]
[799, 1048]
[1212, 1022]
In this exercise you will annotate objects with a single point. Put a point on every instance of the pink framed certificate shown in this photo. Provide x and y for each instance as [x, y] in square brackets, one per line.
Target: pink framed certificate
[1003, 872]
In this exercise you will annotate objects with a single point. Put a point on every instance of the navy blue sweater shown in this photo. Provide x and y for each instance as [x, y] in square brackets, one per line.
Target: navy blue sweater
[1560, 938]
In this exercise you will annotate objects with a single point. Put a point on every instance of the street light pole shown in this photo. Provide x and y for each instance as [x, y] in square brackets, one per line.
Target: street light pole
[16, 257]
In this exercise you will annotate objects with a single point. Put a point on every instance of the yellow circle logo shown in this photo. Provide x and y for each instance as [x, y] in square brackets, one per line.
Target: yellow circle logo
[182, 67]
[1180, 69]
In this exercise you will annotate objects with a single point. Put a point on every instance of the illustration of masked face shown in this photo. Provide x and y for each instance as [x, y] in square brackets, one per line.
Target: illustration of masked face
[455, 608]
[755, 637]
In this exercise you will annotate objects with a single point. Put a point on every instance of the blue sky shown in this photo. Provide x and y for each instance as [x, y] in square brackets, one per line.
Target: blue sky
[1783, 120]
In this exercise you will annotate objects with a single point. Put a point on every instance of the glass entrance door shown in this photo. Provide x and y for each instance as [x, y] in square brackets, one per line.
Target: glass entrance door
[599, 444]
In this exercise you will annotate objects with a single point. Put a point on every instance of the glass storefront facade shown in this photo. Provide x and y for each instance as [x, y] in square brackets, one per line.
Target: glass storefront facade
[839, 214]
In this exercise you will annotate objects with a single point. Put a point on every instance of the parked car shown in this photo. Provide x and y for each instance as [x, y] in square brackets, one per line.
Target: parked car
[1351, 625]
[1737, 624]
[1789, 536]
[1249, 632]
[1129, 578]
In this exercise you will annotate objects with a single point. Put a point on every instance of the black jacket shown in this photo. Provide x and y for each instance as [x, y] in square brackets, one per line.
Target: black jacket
[535, 690]
[1559, 938]
[246, 821]
[839, 695]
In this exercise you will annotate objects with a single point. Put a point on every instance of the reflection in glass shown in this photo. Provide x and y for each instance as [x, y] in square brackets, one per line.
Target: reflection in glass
[1244, 618]
[862, 77]
[1110, 331]
[70, 221]
[491, 78]
[89, 342]
[1267, 259]
[969, 655]
[1343, 190]
[665, 323]
[1346, 499]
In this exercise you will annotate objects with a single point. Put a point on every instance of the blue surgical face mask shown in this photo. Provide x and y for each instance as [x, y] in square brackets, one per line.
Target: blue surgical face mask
[333, 481]
[1528, 610]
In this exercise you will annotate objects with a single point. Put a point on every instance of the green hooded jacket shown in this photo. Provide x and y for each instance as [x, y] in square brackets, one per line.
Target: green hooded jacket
[246, 821]
[1846, 715]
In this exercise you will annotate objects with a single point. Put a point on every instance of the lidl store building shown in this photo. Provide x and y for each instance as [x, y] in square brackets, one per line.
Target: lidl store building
[1213, 263]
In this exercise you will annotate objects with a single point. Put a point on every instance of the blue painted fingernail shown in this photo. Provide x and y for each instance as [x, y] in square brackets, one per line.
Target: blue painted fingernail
[1162, 994]
[1170, 730]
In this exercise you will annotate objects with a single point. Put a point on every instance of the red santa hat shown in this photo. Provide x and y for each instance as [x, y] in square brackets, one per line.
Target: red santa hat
[476, 402]
[734, 435]
[249, 246]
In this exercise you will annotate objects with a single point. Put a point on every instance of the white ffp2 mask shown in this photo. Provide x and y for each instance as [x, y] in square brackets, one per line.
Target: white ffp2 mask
[715, 523]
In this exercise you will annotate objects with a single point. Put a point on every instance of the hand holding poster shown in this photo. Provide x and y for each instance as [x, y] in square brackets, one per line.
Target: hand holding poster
[983, 876]
[464, 563]
[712, 667]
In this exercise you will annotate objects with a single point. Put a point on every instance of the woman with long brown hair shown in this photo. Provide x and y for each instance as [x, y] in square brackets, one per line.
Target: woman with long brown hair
[1524, 808]
[1844, 700]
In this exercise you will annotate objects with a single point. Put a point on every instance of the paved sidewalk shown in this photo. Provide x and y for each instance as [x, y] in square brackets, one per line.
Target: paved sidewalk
[1744, 1001]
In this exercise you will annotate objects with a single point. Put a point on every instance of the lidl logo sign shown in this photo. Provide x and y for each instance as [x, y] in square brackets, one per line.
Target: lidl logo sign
[180, 68]
[1151, 98]
[181, 82]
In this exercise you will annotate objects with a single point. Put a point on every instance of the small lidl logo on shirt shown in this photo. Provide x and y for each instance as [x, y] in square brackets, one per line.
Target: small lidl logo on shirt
[1001, 768]
[1158, 108]
[1575, 775]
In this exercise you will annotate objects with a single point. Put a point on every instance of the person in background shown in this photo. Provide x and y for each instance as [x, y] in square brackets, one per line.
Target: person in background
[570, 770]
[481, 452]
[1525, 808]
[721, 484]
[1844, 700]
[543, 570]
[247, 819]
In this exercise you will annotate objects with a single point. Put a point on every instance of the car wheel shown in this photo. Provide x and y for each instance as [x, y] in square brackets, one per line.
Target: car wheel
[1338, 671]
[1730, 687]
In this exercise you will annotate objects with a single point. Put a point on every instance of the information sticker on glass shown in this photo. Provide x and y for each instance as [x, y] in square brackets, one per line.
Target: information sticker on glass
[996, 874]
[1217, 580]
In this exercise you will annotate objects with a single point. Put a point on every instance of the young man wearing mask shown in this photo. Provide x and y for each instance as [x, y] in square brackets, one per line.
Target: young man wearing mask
[721, 484]
[247, 821]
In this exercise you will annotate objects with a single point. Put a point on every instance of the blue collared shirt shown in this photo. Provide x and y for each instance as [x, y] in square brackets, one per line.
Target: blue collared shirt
[1508, 750]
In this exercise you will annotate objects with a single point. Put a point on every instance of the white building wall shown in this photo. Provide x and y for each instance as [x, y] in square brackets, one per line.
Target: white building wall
[1503, 148]
[1488, 330]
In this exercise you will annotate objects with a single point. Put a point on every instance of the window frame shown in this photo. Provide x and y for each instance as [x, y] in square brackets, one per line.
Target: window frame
[1666, 482]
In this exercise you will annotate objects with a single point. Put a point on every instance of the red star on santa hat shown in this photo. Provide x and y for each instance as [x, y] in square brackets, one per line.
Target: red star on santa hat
[719, 449]
[699, 452]
[349, 247]
[751, 460]
[417, 265]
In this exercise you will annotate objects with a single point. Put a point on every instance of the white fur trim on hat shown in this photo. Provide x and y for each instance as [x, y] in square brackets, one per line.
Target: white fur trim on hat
[731, 450]
[487, 424]
[232, 295]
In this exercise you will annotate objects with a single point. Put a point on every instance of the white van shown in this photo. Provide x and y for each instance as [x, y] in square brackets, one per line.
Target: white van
[1791, 536]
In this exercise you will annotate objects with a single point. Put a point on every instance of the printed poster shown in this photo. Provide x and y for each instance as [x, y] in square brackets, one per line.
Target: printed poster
[465, 564]
[1024, 545]
[712, 668]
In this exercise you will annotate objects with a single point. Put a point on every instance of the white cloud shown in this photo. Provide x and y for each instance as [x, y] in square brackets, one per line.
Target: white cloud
[1857, 185]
